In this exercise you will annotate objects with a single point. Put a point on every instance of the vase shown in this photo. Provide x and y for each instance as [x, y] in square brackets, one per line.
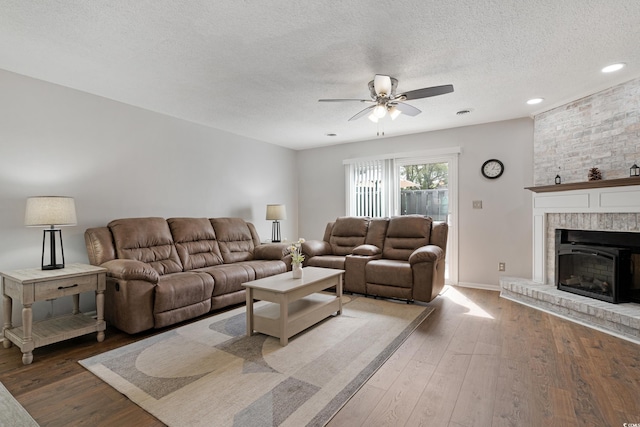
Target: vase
[296, 270]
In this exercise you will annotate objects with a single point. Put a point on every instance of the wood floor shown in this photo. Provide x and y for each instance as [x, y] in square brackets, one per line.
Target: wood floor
[478, 360]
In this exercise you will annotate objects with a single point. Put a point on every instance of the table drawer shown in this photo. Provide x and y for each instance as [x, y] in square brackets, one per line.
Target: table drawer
[63, 287]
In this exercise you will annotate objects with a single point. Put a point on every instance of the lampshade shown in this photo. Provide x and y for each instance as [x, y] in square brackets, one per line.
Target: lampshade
[382, 84]
[394, 112]
[276, 212]
[379, 111]
[50, 210]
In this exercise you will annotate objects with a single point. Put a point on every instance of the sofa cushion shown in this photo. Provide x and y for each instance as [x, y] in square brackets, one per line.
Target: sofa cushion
[328, 261]
[347, 233]
[229, 278]
[389, 272]
[234, 238]
[195, 242]
[148, 240]
[377, 231]
[182, 290]
[266, 268]
[404, 235]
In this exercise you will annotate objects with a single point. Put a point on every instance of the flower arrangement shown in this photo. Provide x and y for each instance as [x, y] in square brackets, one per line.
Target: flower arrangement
[296, 252]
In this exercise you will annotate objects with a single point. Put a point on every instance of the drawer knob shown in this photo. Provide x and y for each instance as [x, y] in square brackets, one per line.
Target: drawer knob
[67, 287]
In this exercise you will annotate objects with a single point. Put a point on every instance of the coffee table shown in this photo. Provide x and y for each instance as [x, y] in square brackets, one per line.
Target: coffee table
[296, 304]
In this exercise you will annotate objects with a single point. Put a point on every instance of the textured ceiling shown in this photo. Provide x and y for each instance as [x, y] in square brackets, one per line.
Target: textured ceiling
[257, 68]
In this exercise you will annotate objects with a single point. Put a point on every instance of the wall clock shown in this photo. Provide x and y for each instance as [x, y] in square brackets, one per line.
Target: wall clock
[492, 169]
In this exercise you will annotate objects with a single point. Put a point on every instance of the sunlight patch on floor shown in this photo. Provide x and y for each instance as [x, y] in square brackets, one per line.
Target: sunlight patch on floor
[474, 309]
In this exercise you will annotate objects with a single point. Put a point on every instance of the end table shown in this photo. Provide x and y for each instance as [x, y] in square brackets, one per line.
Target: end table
[34, 284]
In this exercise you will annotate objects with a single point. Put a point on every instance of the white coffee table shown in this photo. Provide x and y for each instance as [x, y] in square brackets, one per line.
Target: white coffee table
[296, 303]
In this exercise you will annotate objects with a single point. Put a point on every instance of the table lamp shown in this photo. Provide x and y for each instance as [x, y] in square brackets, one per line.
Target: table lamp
[50, 211]
[276, 213]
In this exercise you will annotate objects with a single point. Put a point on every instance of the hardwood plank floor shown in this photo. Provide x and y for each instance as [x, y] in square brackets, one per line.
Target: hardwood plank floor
[478, 360]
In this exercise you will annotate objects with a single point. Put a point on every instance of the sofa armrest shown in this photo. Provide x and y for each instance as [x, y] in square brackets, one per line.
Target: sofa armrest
[367, 250]
[312, 248]
[129, 269]
[429, 253]
[274, 251]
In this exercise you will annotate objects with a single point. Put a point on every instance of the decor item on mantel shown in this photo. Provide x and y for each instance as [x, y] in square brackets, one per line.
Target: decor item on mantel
[558, 180]
[296, 258]
[634, 171]
[50, 211]
[595, 174]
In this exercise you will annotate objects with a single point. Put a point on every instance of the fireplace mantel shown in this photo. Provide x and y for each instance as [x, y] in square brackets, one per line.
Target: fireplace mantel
[589, 199]
[602, 183]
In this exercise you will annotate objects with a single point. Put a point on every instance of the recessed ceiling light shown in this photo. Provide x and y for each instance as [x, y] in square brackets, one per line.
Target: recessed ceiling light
[331, 134]
[613, 67]
[535, 101]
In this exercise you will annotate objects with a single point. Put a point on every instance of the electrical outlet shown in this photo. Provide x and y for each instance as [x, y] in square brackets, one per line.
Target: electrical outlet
[501, 266]
[477, 204]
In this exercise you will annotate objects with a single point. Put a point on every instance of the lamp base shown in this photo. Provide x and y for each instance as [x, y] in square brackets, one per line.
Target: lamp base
[52, 249]
[53, 267]
[275, 232]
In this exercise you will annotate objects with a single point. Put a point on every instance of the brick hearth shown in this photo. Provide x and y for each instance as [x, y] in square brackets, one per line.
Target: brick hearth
[622, 320]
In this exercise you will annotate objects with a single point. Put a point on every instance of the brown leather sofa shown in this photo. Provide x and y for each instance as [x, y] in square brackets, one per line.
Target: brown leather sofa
[400, 257]
[164, 271]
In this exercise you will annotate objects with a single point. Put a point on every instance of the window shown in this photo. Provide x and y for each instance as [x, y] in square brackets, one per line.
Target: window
[369, 188]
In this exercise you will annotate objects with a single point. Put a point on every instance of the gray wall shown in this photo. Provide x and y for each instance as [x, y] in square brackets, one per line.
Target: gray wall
[501, 231]
[120, 161]
[601, 130]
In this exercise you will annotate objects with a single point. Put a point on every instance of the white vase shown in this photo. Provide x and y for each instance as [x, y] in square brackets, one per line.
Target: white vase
[296, 270]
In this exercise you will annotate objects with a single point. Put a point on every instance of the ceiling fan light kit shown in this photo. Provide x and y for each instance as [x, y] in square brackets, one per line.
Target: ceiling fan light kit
[385, 100]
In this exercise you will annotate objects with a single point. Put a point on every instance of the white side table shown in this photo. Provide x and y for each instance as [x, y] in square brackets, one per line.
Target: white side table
[33, 284]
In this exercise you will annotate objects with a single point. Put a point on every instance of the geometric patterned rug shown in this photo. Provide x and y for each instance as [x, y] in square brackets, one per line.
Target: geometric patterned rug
[11, 412]
[209, 373]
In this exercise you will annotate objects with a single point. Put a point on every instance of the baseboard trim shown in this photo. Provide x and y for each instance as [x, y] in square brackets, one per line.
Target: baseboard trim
[484, 286]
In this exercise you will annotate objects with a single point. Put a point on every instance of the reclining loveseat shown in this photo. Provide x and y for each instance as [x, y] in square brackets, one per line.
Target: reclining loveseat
[164, 271]
[400, 257]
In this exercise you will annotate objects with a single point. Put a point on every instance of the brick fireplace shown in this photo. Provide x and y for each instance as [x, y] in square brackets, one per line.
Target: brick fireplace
[610, 205]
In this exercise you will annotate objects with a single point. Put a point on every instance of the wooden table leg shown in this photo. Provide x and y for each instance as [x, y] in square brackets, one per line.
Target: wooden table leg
[27, 323]
[249, 293]
[7, 306]
[284, 320]
[339, 293]
[76, 304]
[100, 313]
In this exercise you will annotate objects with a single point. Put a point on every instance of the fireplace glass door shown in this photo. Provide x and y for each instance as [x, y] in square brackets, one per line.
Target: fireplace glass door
[588, 271]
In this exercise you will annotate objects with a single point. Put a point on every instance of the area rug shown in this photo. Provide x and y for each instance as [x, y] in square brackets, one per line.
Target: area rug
[11, 412]
[210, 373]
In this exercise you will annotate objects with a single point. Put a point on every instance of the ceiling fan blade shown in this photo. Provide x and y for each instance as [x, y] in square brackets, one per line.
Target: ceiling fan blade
[426, 92]
[407, 109]
[382, 84]
[344, 100]
[362, 113]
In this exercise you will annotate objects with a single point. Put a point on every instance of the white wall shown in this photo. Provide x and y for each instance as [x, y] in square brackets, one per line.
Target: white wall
[119, 161]
[500, 232]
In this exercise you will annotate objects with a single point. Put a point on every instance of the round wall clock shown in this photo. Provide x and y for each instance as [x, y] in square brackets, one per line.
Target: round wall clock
[492, 169]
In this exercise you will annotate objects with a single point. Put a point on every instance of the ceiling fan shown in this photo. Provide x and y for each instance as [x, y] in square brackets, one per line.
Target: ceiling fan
[385, 100]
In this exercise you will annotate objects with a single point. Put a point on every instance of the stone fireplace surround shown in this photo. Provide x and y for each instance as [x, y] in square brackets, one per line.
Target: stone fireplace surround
[596, 205]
